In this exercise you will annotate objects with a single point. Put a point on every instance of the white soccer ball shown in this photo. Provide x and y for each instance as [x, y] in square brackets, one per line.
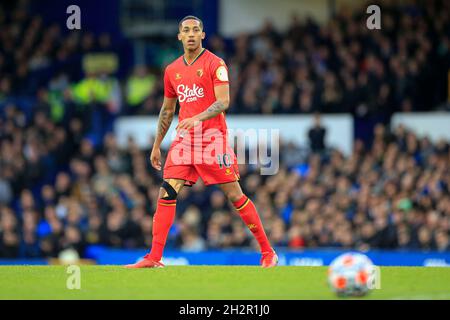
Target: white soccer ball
[351, 274]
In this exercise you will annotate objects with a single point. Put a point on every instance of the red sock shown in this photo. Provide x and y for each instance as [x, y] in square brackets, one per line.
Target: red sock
[248, 213]
[162, 221]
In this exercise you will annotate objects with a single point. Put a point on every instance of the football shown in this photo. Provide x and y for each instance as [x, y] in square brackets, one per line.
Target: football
[351, 274]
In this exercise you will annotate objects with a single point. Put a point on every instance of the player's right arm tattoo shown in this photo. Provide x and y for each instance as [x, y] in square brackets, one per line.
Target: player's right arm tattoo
[164, 121]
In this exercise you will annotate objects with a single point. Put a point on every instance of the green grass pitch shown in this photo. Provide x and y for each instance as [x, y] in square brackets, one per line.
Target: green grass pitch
[211, 282]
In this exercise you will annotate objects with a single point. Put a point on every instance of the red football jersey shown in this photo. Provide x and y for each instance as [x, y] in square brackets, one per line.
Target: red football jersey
[193, 84]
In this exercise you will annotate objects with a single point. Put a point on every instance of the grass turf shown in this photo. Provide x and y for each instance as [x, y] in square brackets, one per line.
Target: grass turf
[211, 282]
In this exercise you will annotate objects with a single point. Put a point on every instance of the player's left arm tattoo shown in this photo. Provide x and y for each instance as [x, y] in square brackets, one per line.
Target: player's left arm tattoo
[219, 106]
[213, 110]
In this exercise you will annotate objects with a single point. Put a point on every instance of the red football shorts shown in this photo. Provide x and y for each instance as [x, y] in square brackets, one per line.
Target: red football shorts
[215, 163]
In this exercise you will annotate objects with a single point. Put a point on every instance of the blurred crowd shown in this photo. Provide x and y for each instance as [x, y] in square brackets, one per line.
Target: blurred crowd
[59, 191]
[343, 66]
[35, 55]
[340, 66]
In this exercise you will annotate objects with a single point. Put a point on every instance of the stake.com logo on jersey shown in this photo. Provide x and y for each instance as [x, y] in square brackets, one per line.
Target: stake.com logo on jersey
[188, 94]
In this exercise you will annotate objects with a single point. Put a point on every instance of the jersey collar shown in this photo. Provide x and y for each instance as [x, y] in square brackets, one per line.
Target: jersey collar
[195, 59]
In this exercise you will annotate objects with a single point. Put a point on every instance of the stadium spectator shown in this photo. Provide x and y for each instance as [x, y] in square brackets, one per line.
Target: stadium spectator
[316, 135]
[138, 88]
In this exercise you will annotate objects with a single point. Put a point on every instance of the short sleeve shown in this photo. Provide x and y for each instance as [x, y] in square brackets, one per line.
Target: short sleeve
[169, 92]
[219, 72]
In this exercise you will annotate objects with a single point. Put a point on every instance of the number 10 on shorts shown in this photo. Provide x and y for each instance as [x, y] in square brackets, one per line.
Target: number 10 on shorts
[224, 160]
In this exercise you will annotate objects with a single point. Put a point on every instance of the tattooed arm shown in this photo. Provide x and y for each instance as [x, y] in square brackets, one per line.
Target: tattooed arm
[221, 104]
[164, 121]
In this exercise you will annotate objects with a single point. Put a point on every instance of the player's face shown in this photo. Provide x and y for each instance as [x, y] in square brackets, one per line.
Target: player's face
[191, 34]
